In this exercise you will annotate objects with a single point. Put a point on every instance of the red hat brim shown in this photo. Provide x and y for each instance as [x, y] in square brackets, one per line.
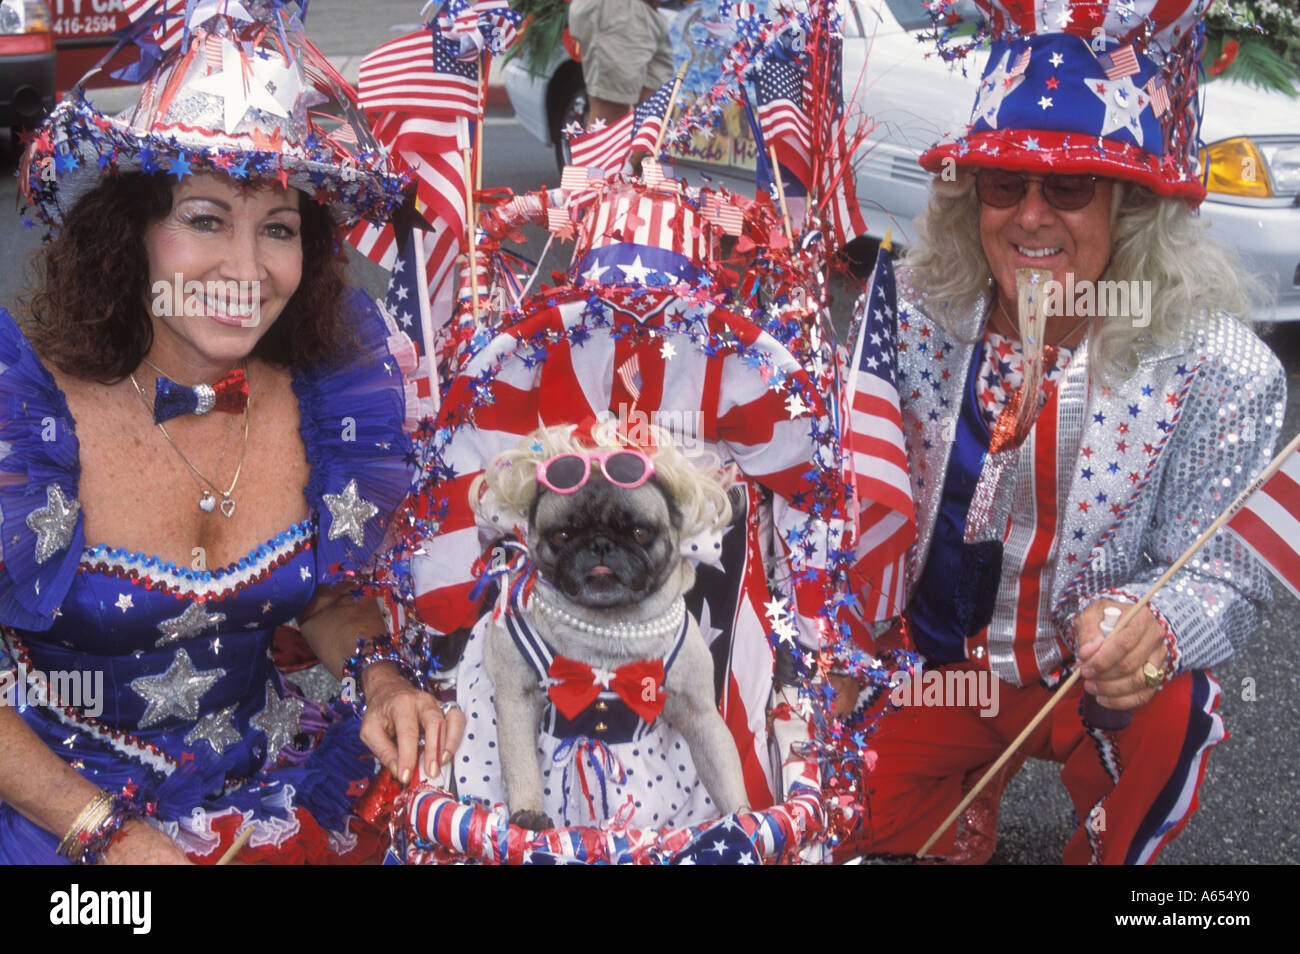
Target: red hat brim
[1047, 151]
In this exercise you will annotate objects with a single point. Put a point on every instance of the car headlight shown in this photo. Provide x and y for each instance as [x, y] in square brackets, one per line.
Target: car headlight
[1258, 168]
[24, 16]
[1283, 158]
[1236, 168]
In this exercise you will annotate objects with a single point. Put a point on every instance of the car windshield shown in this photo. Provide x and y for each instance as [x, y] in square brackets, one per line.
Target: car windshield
[911, 14]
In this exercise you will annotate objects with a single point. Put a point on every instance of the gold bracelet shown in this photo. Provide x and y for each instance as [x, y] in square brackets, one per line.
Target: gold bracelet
[90, 818]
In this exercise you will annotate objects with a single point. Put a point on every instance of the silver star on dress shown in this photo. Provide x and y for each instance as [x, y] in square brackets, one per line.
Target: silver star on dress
[279, 720]
[217, 729]
[175, 693]
[350, 512]
[54, 523]
[189, 624]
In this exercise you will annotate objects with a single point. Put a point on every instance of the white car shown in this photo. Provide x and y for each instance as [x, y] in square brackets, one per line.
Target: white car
[917, 99]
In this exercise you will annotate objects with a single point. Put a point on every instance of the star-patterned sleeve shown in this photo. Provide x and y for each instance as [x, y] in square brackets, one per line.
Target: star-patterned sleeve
[1225, 437]
[41, 526]
[353, 425]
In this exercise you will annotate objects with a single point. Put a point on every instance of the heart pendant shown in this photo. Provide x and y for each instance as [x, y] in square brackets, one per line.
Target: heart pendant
[207, 503]
[227, 507]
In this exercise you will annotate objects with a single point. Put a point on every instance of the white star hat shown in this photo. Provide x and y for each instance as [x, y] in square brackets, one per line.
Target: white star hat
[242, 91]
[1106, 87]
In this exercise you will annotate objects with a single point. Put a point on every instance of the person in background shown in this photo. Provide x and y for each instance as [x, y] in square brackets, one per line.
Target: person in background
[625, 51]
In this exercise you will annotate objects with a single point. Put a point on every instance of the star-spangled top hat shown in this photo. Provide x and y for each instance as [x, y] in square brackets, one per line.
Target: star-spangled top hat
[243, 92]
[1107, 87]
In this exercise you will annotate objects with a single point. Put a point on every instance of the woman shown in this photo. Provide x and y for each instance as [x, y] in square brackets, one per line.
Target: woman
[155, 534]
[1040, 507]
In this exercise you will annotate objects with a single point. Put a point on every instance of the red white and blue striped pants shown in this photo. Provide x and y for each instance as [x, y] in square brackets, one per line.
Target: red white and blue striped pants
[1133, 789]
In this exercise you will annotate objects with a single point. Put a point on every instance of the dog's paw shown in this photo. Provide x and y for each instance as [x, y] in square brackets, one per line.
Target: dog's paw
[533, 821]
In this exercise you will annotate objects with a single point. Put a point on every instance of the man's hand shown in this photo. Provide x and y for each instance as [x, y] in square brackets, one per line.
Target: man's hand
[1112, 669]
[397, 714]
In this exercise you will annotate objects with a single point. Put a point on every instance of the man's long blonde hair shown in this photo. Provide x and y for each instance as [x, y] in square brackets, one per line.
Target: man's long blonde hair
[1154, 239]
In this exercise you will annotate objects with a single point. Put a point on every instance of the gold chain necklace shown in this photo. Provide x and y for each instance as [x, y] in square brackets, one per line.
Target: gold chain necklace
[207, 502]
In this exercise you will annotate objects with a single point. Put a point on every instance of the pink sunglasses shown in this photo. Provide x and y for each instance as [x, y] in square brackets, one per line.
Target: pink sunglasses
[565, 473]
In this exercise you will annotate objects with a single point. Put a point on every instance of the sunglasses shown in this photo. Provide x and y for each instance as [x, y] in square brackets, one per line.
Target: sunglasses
[565, 473]
[1065, 193]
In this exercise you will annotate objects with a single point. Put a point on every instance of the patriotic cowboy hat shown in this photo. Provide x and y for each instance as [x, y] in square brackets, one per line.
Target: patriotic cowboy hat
[1107, 87]
[228, 85]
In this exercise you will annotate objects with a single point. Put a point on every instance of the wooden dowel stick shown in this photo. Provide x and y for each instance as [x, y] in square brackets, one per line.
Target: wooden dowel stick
[668, 111]
[1127, 618]
[780, 194]
[537, 269]
[471, 234]
[236, 846]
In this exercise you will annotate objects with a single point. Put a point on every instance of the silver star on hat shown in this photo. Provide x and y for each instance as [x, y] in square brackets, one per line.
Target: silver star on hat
[217, 729]
[176, 692]
[54, 523]
[279, 720]
[349, 511]
[189, 624]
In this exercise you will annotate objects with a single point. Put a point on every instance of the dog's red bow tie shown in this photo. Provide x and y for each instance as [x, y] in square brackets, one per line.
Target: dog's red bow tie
[576, 686]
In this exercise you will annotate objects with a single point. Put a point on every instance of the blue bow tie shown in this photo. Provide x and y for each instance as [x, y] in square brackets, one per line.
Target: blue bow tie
[230, 394]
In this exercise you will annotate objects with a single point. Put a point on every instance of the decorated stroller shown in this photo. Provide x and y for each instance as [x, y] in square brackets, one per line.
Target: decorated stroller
[650, 327]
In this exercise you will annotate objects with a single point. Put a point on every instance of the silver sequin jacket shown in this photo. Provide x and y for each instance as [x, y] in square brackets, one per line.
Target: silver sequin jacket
[1143, 468]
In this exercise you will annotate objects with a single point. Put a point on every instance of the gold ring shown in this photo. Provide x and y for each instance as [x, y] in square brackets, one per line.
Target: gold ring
[1154, 677]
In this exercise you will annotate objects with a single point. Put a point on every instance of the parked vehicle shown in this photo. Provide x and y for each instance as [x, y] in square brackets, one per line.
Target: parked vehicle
[26, 63]
[915, 100]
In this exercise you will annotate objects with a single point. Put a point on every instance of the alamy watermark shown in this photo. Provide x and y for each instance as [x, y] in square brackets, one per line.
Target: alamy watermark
[238, 301]
[961, 688]
[686, 427]
[1110, 299]
[78, 688]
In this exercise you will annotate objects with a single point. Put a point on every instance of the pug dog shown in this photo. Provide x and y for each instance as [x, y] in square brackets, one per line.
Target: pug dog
[604, 528]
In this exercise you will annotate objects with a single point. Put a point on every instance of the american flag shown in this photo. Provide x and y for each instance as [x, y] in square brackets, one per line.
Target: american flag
[610, 147]
[606, 148]
[1269, 523]
[407, 303]
[168, 31]
[874, 444]
[430, 148]
[419, 74]
[837, 199]
[1019, 66]
[574, 178]
[492, 19]
[1158, 90]
[629, 372]
[724, 214]
[1123, 62]
[781, 87]
[649, 118]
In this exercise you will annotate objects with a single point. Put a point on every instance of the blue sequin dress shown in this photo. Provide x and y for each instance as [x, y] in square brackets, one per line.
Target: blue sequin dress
[160, 677]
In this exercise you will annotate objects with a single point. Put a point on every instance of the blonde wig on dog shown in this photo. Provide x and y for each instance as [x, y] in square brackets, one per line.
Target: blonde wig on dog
[696, 487]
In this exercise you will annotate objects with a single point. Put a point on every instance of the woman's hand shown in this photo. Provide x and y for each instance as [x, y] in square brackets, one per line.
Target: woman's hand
[1112, 669]
[141, 844]
[397, 714]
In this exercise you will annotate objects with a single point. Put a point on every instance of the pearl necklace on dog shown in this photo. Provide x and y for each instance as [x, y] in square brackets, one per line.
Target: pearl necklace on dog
[666, 622]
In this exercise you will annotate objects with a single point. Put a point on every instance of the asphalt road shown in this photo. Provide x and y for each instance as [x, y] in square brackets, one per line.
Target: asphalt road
[1249, 798]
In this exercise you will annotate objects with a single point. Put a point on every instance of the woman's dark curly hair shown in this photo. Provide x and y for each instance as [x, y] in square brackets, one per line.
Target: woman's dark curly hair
[88, 315]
